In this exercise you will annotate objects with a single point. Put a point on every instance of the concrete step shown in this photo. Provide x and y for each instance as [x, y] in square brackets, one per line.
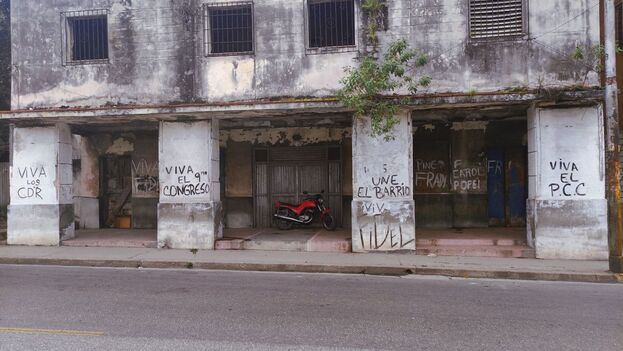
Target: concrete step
[229, 244]
[271, 239]
[111, 243]
[313, 245]
[270, 245]
[469, 242]
[322, 245]
[517, 251]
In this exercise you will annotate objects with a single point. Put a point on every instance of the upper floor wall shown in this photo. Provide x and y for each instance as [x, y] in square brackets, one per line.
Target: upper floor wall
[162, 51]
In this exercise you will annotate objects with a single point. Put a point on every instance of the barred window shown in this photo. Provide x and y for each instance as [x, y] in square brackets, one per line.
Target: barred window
[228, 28]
[85, 36]
[331, 23]
[496, 18]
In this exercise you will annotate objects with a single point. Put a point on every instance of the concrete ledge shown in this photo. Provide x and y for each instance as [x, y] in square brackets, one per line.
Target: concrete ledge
[570, 229]
[616, 264]
[33, 225]
[188, 225]
[314, 268]
[374, 264]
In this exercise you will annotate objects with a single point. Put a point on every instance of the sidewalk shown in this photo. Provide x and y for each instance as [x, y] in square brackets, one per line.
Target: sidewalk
[281, 261]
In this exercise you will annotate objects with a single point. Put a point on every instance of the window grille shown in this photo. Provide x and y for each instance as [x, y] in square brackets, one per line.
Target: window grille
[330, 23]
[228, 28]
[496, 18]
[85, 36]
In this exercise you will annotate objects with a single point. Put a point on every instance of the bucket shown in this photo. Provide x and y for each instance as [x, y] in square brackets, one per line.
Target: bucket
[123, 222]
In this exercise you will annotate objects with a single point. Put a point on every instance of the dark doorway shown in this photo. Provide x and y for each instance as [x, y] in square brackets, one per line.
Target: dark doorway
[284, 173]
[115, 189]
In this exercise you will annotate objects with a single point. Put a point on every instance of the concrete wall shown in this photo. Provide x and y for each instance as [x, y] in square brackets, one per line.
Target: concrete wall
[189, 211]
[86, 183]
[383, 217]
[567, 206]
[161, 41]
[41, 186]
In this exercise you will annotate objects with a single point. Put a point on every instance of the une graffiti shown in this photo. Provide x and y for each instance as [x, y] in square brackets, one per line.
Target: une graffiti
[188, 182]
[383, 187]
[569, 183]
[32, 176]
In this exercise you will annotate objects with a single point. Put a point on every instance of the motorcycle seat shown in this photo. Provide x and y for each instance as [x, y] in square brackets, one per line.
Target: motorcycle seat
[287, 204]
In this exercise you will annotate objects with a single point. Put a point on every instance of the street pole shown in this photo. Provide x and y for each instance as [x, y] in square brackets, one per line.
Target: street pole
[613, 164]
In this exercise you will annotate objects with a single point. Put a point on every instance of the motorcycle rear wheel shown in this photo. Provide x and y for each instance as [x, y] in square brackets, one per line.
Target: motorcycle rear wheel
[328, 222]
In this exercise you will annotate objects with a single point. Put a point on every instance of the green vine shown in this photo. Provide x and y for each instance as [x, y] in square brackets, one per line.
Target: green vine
[594, 61]
[365, 88]
[374, 11]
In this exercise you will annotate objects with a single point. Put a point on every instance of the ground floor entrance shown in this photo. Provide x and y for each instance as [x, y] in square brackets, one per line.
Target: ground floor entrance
[510, 183]
[290, 174]
[470, 174]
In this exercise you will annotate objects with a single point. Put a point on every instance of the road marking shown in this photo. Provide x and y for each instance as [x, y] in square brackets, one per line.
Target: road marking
[50, 331]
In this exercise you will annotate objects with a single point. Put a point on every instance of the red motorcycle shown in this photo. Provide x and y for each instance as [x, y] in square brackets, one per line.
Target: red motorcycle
[304, 213]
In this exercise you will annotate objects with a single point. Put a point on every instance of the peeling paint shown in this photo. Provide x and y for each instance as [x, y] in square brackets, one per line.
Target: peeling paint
[286, 136]
[472, 125]
[120, 146]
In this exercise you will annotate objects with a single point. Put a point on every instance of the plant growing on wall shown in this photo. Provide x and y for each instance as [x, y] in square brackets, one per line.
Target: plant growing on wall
[365, 88]
[594, 60]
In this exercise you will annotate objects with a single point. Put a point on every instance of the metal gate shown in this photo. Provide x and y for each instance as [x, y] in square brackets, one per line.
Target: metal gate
[284, 173]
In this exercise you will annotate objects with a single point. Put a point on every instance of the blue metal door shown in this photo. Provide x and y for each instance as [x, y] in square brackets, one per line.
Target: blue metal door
[495, 187]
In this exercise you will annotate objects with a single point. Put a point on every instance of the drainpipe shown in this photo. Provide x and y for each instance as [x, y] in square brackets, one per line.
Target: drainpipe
[613, 165]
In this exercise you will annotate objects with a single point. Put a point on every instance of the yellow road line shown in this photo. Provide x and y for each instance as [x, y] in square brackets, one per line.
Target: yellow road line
[50, 331]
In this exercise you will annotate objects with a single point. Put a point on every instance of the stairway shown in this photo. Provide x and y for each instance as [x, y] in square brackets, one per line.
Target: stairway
[486, 242]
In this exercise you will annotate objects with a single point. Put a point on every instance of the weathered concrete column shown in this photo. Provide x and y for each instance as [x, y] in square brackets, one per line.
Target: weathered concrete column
[567, 208]
[189, 211]
[86, 188]
[383, 209]
[41, 211]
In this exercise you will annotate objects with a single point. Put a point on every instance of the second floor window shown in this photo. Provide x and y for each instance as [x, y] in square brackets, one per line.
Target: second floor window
[86, 36]
[495, 19]
[228, 28]
[331, 23]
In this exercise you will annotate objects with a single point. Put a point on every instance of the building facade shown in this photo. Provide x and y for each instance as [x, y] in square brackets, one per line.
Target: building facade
[194, 116]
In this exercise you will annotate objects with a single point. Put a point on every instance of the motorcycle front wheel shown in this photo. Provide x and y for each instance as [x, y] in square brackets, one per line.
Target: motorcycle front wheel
[328, 222]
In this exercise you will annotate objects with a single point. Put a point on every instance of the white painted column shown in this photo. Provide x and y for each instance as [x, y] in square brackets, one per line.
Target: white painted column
[383, 216]
[567, 208]
[189, 211]
[41, 209]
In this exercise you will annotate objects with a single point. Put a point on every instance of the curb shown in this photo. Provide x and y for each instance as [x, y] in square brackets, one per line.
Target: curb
[605, 277]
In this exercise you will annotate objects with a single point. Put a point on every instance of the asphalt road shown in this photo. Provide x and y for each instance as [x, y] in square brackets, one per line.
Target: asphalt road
[56, 308]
